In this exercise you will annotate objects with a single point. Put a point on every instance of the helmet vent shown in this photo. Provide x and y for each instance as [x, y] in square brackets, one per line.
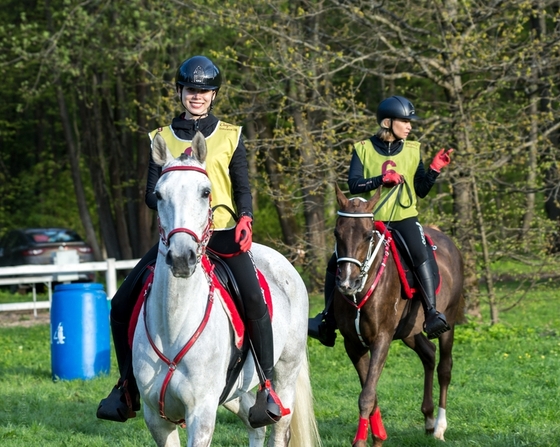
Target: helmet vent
[198, 75]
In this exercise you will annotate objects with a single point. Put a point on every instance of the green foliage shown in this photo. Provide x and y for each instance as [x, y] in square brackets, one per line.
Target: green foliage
[304, 79]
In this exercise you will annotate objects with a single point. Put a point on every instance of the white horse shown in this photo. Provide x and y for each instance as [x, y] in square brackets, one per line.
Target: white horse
[185, 322]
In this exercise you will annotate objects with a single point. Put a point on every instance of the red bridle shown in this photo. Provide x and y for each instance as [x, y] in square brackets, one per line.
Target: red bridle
[206, 233]
[202, 242]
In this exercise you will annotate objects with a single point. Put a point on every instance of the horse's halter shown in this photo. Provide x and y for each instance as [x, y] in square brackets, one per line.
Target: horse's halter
[371, 253]
[206, 233]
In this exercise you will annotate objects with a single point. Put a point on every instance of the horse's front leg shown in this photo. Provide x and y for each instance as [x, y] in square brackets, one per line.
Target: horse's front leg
[201, 424]
[240, 406]
[165, 433]
[369, 369]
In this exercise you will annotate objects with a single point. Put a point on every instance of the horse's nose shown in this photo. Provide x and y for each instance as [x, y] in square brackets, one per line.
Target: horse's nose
[348, 285]
[182, 265]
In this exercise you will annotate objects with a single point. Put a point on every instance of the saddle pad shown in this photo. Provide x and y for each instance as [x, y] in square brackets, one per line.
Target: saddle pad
[226, 300]
[405, 273]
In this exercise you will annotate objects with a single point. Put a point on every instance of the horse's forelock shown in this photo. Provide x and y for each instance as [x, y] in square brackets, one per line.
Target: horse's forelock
[184, 157]
[357, 204]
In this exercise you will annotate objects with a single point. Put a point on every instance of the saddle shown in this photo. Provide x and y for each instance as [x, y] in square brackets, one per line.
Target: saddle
[232, 303]
[403, 260]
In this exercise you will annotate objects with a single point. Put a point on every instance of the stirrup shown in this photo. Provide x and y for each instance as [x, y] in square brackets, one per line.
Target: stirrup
[118, 406]
[268, 408]
[435, 324]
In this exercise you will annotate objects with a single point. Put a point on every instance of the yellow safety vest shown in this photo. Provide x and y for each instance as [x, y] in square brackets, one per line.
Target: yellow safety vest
[221, 145]
[405, 163]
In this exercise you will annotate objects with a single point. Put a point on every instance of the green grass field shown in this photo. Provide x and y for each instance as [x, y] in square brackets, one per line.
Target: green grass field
[505, 389]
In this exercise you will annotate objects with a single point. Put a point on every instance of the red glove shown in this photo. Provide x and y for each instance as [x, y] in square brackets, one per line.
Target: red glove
[392, 178]
[441, 159]
[244, 233]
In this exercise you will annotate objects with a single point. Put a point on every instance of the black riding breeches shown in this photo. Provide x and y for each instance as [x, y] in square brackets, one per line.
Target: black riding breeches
[244, 271]
[125, 299]
[332, 265]
[245, 274]
[241, 266]
[413, 234]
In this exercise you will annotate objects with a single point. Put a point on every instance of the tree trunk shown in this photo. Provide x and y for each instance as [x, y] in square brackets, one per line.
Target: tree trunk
[117, 162]
[91, 118]
[74, 158]
[485, 256]
[313, 198]
[147, 226]
[282, 204]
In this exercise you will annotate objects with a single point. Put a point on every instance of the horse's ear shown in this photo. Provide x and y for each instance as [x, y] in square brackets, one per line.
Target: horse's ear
[199, 147]
[160, 153]
[340, 197]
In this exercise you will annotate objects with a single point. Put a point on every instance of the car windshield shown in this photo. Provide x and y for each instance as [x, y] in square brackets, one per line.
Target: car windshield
[54, 235]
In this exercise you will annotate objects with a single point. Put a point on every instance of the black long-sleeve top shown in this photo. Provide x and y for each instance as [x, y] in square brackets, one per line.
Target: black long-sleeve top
[238, 168]
[423, 180]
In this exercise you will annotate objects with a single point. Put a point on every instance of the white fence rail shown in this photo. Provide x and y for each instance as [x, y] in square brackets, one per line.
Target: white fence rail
[47, 274]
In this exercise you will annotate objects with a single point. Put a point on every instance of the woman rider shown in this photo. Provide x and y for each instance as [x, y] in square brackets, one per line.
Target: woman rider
[388, 159]
[198, 81]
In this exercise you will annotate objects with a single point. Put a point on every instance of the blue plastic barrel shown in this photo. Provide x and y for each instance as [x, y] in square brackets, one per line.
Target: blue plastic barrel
[80, 334]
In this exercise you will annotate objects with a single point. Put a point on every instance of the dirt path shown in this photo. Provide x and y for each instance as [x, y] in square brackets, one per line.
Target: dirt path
[24, 318]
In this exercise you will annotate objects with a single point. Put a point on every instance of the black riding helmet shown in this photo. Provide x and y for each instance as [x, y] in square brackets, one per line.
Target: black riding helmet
[199, 72]
[396, 107]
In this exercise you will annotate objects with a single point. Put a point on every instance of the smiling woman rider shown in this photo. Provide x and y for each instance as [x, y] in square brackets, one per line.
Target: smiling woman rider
[198, 81]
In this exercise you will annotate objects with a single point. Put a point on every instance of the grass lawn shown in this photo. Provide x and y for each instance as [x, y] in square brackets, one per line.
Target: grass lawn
[504, 391]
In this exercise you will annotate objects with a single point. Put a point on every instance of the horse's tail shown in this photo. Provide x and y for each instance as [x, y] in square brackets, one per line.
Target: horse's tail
[303, 427]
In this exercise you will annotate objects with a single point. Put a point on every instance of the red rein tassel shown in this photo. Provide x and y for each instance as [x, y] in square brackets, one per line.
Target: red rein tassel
[362, 433]
[377, 425]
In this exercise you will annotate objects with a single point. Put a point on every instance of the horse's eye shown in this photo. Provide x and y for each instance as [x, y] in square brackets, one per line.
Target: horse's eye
[369, 236]
[158, 195]
[206, 193]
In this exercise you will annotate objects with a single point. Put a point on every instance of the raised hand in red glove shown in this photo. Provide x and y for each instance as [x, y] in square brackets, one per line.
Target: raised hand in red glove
[441, 159]
[392, 178]
[244, 233]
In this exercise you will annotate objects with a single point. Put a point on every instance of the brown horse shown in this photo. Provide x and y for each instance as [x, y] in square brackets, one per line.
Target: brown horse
[371, 311]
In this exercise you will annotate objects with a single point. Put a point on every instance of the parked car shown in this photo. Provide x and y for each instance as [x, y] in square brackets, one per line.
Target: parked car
[40, 246]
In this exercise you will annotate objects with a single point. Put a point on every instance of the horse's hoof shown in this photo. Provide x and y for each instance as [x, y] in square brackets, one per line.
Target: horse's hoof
[118, 406]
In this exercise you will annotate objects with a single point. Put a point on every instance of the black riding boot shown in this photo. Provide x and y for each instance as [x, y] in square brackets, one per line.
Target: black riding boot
[323, 325]
[124, 400]
[267, 409]
[435, 322]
